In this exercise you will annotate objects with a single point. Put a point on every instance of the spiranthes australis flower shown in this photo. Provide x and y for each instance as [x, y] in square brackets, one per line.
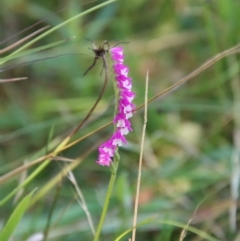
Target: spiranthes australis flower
[124, 111]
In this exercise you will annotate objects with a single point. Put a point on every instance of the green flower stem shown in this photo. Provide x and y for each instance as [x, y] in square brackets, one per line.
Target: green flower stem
[114, 168]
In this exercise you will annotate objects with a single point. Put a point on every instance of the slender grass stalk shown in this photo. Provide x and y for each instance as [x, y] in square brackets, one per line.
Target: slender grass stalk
[23, 40]
[140, 163]
[31, 51]
[235, 49]
[56, 197]
[12, 80]
[81, 200]
[194, 230]
[235, 160]
[64, 172]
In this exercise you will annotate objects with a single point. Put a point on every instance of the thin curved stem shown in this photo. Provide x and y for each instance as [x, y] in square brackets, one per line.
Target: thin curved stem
[114, 168]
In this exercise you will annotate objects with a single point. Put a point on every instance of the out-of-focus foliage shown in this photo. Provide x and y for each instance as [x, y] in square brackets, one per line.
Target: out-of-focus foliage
[191, 133]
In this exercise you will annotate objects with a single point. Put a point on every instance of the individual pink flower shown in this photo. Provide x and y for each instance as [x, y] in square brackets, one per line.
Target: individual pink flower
[104, 160]
[129, 95]
[118, 139]
[125, 109]
[117, 55]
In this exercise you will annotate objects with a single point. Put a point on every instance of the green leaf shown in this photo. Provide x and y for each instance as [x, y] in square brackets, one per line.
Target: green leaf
[15, 218]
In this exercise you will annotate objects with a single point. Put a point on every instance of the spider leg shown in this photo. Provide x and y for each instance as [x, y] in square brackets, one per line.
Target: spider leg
[91, 66]
[106, 43]
[103, 67]
[93, 44]
[104, 64]
[120, 43]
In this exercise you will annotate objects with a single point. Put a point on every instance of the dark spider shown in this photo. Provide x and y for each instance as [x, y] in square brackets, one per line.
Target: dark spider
[100, 52]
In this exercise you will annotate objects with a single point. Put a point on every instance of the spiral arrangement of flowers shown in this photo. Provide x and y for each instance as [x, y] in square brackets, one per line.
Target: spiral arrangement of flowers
[124, 112]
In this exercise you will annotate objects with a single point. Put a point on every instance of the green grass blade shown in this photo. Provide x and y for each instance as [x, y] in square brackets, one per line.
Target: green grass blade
[57, 27]
[27, 181]
[15, 218]
[31, 51]
[198, 232]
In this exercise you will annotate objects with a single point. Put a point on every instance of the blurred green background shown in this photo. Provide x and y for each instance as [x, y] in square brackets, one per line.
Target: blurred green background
[191, 153]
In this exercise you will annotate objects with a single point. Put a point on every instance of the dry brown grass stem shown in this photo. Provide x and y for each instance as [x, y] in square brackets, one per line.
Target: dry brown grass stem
[140, 161]
[23, 40]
